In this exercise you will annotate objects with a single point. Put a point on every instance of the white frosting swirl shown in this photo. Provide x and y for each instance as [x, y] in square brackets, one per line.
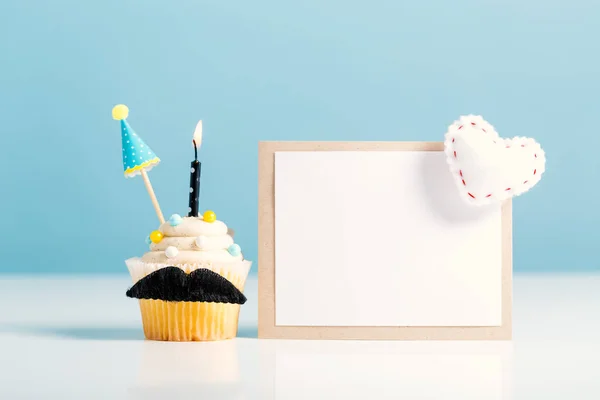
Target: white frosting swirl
[190, 243]
[194, 226]
[214, 241]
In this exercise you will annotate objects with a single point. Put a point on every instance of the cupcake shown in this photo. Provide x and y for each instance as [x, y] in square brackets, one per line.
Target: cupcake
[190, 284]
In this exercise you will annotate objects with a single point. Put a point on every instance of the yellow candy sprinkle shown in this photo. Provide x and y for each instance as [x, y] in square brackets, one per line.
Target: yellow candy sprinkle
[210, 216]
[156, 236]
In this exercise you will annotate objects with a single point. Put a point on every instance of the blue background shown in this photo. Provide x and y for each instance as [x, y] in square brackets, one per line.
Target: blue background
[278, 70]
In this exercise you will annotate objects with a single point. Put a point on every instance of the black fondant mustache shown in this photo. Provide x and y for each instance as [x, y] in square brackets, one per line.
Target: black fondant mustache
[173, 284]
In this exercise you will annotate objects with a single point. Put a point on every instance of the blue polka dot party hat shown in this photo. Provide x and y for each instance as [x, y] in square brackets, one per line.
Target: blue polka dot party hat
[137, 156]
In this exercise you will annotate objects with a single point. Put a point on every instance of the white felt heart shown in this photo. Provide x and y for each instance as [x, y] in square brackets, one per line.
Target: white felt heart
[488, 168]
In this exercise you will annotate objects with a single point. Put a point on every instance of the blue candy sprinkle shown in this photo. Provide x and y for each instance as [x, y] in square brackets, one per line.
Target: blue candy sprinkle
[235, 250]
[175, 220]
[148, 241]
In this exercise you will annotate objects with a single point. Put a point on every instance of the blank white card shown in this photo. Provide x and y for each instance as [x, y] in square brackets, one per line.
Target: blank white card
[381, 238]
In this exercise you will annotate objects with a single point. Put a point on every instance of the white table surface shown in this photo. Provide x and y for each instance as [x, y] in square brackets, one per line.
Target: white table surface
[81, 338]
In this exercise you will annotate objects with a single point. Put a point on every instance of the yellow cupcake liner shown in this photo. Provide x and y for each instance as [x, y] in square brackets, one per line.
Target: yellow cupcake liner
[182, 321]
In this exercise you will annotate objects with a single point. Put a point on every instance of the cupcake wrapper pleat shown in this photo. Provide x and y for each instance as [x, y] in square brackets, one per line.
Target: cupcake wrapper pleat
[189, 321]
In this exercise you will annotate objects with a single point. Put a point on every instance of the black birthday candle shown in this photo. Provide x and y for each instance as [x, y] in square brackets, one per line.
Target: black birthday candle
[195, 169]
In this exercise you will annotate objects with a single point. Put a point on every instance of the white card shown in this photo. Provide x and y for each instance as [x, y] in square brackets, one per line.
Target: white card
[381, 238]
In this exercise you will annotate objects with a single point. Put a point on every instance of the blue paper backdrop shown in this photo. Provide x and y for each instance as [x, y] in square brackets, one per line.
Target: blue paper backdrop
[278, 70]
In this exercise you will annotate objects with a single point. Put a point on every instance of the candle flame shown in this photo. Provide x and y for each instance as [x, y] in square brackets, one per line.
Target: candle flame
[197, 140]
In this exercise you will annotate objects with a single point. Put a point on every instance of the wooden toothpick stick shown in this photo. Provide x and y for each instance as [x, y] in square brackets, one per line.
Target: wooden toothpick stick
[152, 196]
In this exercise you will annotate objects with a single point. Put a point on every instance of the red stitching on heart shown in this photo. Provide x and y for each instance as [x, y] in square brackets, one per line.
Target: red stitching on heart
[484, 130]
[460, 127]
[473, 123]
[461, 174]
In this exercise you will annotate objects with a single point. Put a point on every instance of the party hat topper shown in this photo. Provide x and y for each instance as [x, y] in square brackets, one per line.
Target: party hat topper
[138, 158]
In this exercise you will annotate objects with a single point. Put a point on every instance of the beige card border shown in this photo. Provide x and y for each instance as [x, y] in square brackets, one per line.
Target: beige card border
[266, 259]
